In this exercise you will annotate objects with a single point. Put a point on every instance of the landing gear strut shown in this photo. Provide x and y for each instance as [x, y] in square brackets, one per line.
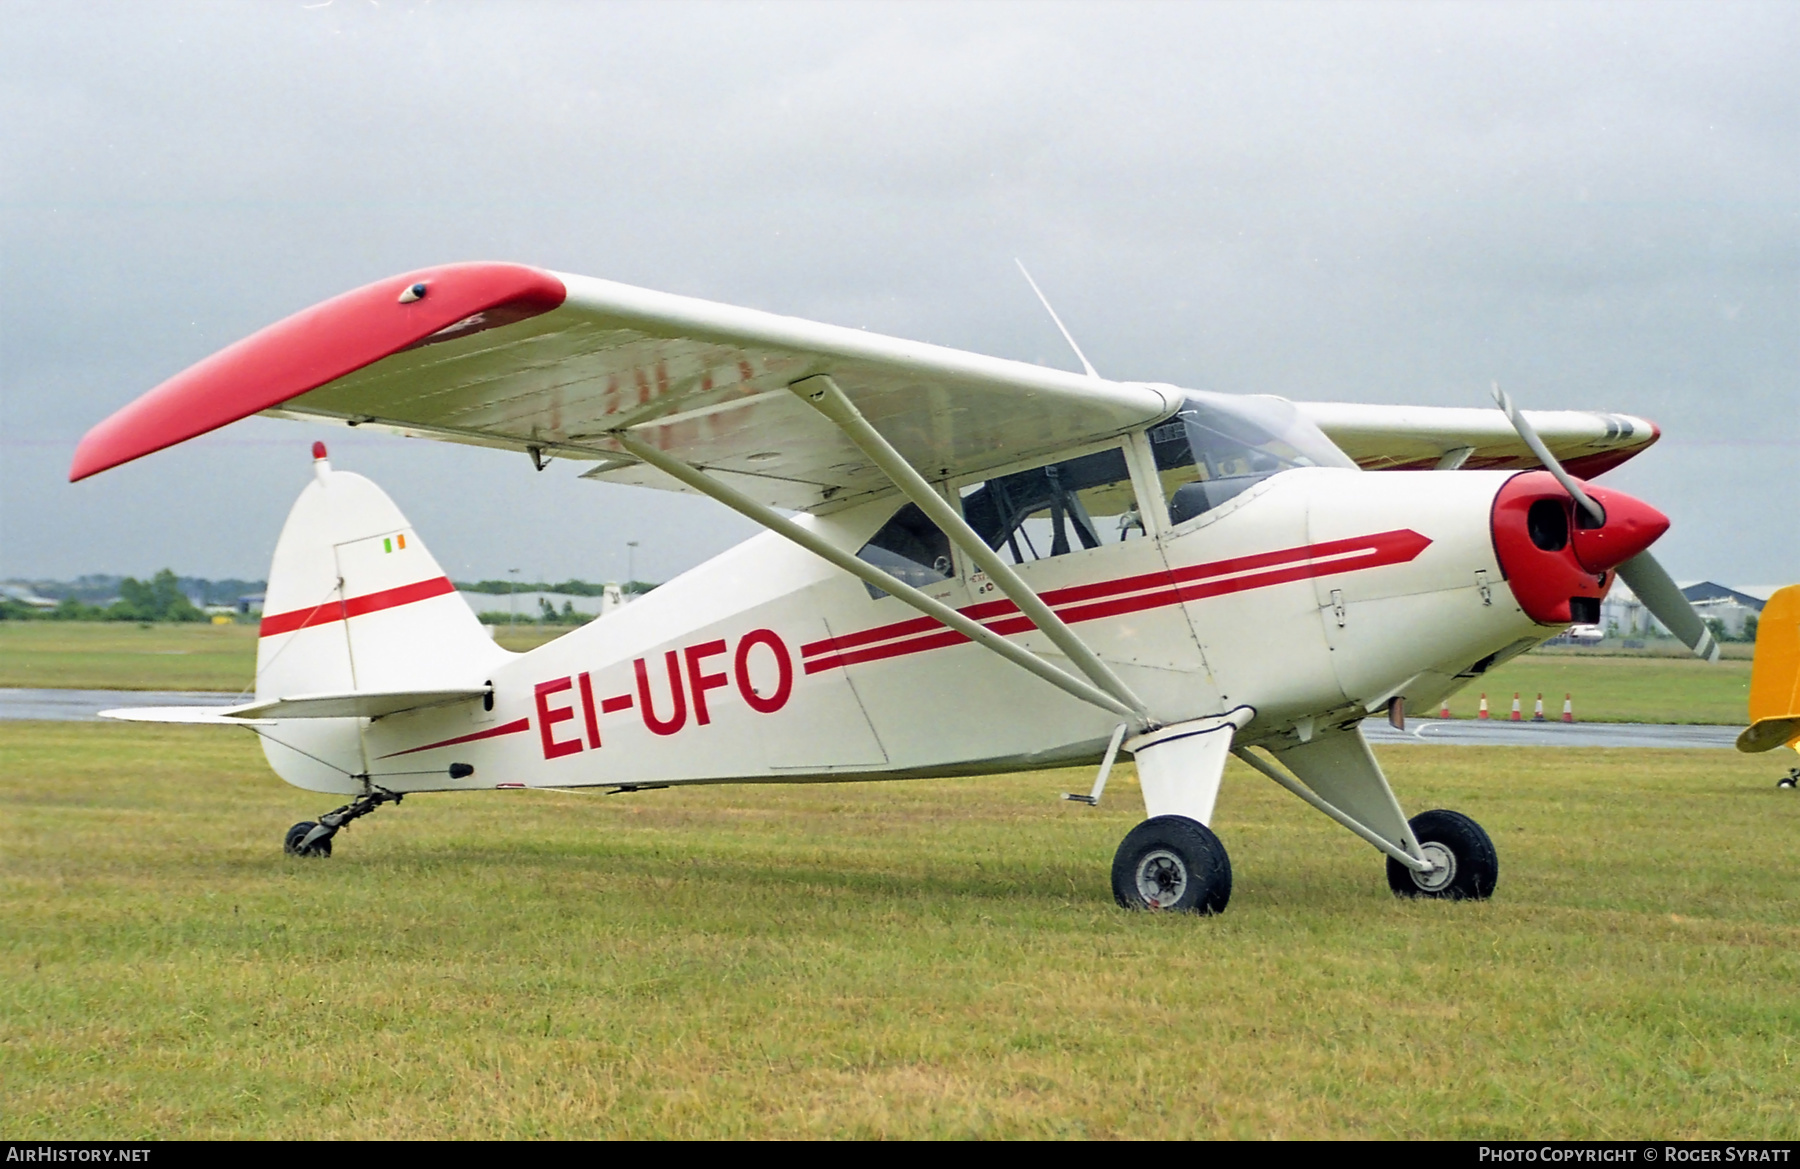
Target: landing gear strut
[310, 838]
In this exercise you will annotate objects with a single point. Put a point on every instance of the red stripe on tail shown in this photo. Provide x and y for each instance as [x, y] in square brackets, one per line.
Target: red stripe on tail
[354, 607]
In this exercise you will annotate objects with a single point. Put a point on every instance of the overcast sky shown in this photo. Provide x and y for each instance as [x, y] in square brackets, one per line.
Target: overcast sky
[1598, 205]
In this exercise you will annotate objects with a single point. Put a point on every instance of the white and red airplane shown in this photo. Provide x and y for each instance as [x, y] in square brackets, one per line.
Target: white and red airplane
[971, 566]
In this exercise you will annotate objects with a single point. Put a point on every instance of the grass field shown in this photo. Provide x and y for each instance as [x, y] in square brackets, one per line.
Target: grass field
[912, 959]
[107, 655]
[215, 657]
[1615, 689]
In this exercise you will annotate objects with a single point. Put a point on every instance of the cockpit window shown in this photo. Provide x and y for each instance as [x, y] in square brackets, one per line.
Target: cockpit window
[1216, 446]
[911, 548]
[1048, 511]
[1219, 445]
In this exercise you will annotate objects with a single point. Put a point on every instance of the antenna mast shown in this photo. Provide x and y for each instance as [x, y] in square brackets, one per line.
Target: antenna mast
[1045, 301]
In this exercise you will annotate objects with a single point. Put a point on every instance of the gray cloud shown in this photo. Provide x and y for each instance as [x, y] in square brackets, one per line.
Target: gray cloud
[1597, 204]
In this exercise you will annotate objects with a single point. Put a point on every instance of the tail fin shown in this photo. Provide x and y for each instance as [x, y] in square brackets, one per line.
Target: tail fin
[356, 603]
[1775, 675]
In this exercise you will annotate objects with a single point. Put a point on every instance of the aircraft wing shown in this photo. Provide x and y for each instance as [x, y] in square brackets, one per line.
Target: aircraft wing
[508, 356]
[514, 357]
[1407, 438]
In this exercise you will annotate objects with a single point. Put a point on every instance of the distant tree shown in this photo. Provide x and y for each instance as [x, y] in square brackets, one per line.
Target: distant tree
[158, 599]
[75, 609]
[1750, 624]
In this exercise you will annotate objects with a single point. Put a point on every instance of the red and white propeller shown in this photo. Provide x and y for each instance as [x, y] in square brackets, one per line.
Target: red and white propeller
[1647, 578]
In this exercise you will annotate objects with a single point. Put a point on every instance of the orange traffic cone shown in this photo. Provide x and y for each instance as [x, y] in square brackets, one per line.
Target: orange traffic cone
[1515, 710]
[1568, 708]
[1537, 712]
[1483, 712]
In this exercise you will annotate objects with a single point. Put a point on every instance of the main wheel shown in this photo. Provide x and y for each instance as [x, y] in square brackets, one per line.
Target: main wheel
[1467, 866]
[1172, 862]
[1785, 781]
[290, 844]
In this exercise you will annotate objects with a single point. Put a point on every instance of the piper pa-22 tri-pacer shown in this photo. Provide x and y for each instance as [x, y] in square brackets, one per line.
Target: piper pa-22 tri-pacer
[971, 566]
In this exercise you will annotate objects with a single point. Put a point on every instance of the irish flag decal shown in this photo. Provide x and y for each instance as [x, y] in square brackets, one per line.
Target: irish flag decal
[388, 543]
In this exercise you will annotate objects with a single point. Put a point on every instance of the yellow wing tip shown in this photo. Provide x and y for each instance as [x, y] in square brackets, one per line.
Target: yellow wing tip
[1766, 734]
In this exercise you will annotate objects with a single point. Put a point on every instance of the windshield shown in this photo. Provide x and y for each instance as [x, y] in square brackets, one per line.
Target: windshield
[1218, 445]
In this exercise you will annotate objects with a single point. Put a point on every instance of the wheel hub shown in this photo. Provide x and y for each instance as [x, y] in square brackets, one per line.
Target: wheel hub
[1162, 878]
[1443, 867]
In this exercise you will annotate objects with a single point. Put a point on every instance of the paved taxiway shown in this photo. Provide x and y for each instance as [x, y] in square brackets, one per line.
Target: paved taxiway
[85, 705]
[1506, 733]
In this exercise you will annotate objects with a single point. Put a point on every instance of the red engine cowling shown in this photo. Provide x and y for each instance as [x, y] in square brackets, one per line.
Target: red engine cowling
[1557, 560]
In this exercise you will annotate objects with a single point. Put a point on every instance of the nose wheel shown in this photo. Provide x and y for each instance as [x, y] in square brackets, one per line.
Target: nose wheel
[1172, 862]
[1464, 866]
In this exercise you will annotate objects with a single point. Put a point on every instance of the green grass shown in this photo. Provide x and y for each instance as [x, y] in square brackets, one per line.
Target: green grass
[1615, 689]
[121, 655]
[910, 959]
[107, 655]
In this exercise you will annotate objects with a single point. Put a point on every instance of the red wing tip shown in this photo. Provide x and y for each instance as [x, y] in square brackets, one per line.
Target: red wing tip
[314, 347]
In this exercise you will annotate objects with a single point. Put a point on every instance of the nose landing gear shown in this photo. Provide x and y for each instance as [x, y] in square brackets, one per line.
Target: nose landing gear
[310, 838]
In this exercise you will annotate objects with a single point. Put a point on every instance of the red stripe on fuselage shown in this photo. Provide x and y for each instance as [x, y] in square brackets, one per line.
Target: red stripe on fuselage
[1130, 594]
[511, 728]
[354, 607]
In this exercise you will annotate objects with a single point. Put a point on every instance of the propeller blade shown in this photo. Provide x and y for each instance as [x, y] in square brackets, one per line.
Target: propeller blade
[1662, 597]
[1594, 510]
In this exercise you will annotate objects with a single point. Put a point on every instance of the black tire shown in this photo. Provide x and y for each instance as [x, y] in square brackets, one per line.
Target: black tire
[1172, 862]
[1474, 865]
[290, 844]
[1786, 782]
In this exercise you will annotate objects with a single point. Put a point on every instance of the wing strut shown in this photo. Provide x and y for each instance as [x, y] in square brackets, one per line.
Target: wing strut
[824, 395]
[773, 520]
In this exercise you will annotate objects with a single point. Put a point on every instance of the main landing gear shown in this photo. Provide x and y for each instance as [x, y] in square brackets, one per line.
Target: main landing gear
[1464, 864]
[1790, 779]
[309, 838]
[1172, 862]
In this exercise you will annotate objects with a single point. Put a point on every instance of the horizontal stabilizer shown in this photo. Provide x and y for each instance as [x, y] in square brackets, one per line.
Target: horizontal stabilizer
[355, 704]
[217, 716]
[350, 704]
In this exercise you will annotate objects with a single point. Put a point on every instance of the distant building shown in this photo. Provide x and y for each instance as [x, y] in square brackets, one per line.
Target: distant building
[26, 595]
[529, 606]
[1622, 612]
